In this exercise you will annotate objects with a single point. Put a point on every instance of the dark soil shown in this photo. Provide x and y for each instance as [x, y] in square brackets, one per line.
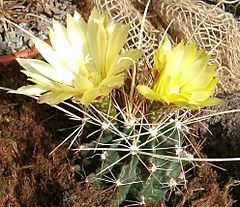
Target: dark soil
[30, 177]
[224, 142]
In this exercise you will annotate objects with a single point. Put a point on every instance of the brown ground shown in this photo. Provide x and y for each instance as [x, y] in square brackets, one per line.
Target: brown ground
[29, 177]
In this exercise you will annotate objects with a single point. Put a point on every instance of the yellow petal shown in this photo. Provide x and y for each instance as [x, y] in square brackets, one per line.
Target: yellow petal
[124, 61]
[173, 61]
[113, 81]
[161, 54]
[60, 42]
[97, 39]
[30, 90]
[202, 80]
[202, 95]
[117, 36]
[196, 69]
[46, 51]
[148, 93]
[82, 83]
[76, 31]
[212, 102]
[43, 71]
[55, 97]
[91, 94]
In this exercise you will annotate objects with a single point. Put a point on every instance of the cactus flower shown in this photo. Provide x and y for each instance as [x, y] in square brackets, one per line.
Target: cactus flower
[84, 61]
[182, 76]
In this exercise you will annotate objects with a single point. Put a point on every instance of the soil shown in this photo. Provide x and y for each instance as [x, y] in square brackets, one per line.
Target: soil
[224, 142]
[30, 177]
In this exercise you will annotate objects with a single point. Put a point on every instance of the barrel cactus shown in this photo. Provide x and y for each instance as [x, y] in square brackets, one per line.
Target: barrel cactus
[138, 155]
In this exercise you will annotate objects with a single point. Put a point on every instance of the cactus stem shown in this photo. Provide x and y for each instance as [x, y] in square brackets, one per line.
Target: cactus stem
[95, 132]
[133, 155]
[114, 163]
[117, 181]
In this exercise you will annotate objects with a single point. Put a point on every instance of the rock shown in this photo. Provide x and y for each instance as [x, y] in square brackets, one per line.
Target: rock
[38, 25]
[225, 129]
[224, 141]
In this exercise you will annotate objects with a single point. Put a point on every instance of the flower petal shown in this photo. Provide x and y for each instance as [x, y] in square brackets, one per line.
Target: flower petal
[124, 61]
[76, 32]
[117, 36]
[212, 102]
[30, 90]
[45, 71]
[161, 54]
[47, 52]
[148, 93]
[182, 76]
[92, 94]
[97, 39]
[55, 97]
[113, 81]
[60, 42]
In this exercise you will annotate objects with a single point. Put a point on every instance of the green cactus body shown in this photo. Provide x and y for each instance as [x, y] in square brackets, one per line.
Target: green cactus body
[137, 162]
[128, 180]
[161, 171]
[106, 106]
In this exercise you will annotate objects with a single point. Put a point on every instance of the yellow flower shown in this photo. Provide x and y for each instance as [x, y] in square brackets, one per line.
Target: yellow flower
[182, 76]
[84, 62]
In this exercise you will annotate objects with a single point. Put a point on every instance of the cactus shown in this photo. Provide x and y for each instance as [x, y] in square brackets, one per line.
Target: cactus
[135, 157]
